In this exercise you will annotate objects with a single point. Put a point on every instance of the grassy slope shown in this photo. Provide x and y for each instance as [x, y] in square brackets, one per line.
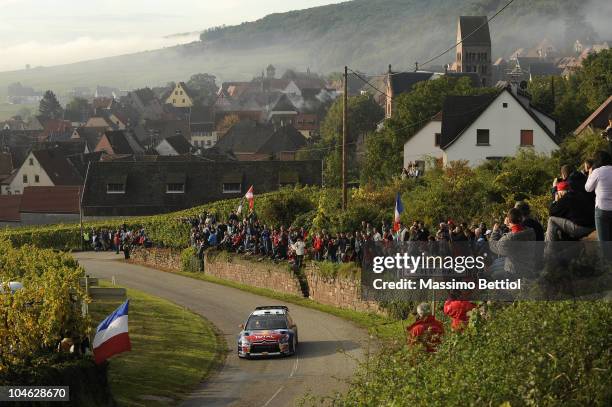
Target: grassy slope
[172, 351]
[366, 34]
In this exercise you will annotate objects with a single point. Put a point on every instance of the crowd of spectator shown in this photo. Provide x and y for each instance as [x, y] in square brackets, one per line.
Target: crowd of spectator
[118, 240]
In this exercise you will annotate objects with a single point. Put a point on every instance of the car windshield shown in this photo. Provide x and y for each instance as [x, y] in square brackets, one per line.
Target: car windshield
[265, 322]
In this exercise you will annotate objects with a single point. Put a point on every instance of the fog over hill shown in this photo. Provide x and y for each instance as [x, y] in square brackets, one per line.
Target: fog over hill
[364, 34]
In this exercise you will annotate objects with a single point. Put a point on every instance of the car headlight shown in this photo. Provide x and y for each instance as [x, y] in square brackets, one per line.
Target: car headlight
[284, 338]
[244, 341]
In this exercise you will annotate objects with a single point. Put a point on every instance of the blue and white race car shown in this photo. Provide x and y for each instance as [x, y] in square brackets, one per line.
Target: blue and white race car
[268, 331]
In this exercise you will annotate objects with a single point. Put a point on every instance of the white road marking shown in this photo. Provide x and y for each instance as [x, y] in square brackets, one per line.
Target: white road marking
[295, 365]
[273, 396]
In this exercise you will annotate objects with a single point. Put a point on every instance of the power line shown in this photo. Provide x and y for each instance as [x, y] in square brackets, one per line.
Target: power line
[470, 34]
[368, 83]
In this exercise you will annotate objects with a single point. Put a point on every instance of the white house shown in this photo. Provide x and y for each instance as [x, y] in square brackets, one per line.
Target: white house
[42, 168]
[424, 143]
[174, 145]
[478, 128]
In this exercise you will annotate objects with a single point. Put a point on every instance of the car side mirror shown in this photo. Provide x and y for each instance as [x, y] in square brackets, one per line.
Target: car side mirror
[241, 326]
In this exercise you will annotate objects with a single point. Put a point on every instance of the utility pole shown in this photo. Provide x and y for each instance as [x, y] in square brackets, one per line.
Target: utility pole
[552, 90]
[344, 136]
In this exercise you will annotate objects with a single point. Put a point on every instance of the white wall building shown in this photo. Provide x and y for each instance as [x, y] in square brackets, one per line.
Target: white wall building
[479, 128]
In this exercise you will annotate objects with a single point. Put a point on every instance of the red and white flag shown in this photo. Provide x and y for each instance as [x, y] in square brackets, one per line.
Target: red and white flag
[249, 196]
[112, 335]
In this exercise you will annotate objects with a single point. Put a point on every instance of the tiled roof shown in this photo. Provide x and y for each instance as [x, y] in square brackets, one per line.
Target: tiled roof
[606, 107]
[403, 82]
[57, 167]
[57, 199]
[459, 112]
[179, 144]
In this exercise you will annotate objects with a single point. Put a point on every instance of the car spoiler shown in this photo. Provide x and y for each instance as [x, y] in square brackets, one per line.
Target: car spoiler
[272, 307]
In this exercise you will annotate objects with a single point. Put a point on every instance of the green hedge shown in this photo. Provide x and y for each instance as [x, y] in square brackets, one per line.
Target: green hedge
[528, 353]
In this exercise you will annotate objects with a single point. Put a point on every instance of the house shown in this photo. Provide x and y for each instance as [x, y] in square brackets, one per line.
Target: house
[283, 113]
[99, 122]
[145, 103]
[50, 205]
[174, 145]
[119, 143]
[48, 167]
[424, 143]
[154, 131]
[307, 124]
[90, 135]
[398, 83]
[202, 127]
[56, 130]
[474, 49]
[128, 188]
[599, 119]
[401, 82]
[180, 96]
[249, 140]
[478, 128]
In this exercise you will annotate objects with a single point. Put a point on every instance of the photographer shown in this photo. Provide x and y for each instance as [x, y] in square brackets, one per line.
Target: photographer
[607, 134]
[571, 214]
[600, 181]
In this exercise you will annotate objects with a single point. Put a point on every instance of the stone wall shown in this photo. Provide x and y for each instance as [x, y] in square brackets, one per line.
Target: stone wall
[274, 277]
[165, 259]
[341, 291]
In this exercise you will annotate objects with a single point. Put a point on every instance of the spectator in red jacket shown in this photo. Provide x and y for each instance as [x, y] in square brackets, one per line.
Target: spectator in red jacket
[458, 310]
[427, 330]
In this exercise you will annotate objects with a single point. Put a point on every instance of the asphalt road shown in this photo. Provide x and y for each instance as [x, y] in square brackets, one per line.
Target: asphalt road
[327, 352]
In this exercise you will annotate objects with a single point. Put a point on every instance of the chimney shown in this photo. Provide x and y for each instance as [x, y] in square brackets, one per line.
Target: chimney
[389, 68]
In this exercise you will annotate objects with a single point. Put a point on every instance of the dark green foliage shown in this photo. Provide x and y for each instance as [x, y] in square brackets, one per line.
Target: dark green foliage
[49, 107]
[528, 353]
[283, 210]
[77, 110]
[363, 116]
[205, 88]
[577, 96]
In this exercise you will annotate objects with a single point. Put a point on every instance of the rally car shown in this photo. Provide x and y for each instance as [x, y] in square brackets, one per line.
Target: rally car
[269, 331]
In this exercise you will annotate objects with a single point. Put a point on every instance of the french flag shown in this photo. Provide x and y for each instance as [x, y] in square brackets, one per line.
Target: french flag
[112, 335]
[250, 197]
[399, 208]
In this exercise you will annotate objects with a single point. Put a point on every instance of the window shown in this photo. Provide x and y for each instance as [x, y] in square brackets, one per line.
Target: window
[437, 137]
[505, 105]
[482, 137]
[208, 142]
[526, 138]
[115, 188]
[183, 100]
[36, 178]
[181, 92]
[25, 179]
[173, 100]
[232, 187]
[176, 92]
[175, 188]
[31, 161]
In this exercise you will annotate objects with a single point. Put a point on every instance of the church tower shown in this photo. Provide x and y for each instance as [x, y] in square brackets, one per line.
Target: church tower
[474, 52]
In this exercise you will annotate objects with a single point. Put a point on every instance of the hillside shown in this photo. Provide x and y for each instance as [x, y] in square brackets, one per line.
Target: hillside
[365, 34]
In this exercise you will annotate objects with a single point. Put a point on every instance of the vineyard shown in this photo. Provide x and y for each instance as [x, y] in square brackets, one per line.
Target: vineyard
[48, 307]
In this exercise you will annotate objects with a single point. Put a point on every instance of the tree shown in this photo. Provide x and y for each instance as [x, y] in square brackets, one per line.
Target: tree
[49, 107]
[226, 123]
[205, 88]
[363, 116]
[77, 110]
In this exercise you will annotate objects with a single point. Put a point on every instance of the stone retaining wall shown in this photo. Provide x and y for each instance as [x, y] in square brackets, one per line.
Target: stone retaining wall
[341, 292]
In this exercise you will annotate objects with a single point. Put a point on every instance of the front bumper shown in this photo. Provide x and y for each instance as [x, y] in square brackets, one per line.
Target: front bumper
[264, 349]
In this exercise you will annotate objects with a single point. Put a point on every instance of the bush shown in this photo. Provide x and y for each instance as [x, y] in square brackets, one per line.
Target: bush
[529, 353]
[48, 306]
[189, 260]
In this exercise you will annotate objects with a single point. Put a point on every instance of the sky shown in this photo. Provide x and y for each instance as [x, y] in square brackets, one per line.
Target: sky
[51, 32]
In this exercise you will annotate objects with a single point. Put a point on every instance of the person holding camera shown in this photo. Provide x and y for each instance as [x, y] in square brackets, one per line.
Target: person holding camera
[600, 181]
